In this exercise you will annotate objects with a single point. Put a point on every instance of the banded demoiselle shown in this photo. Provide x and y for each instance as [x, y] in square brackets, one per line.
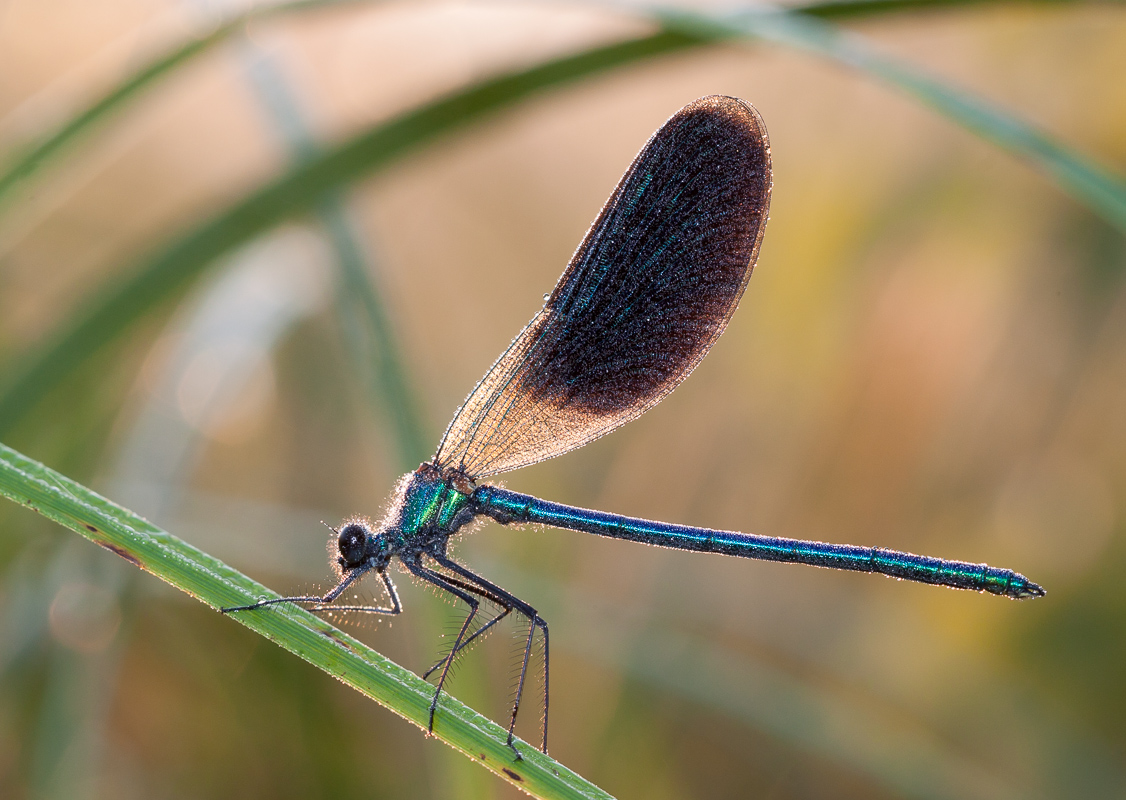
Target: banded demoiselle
[645, 296]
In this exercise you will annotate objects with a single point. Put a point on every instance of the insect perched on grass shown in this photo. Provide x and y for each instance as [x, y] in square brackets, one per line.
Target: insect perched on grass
[645, 296]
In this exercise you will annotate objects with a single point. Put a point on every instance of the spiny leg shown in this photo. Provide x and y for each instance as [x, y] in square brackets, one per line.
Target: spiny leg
[441, 582]
[520, 685]
[396, 606]
[327, 599]
[546, 664]
[535, 622]
[477, 634]
[484, 629]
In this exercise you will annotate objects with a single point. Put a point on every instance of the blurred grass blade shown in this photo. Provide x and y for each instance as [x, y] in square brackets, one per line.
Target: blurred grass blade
[371, 340]
[365, 325]
[160, 276]
[841, 9]
[209, 580]
[38, 155]
[1095, 186]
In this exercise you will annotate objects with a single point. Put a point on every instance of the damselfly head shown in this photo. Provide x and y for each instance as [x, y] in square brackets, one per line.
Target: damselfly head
[357, 545]
[352, 544]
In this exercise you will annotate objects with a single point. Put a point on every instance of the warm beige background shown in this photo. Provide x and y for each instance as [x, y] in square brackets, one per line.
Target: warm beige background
[931, 356]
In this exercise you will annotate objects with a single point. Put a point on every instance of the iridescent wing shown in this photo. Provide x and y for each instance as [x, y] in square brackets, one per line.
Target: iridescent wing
[645, 296]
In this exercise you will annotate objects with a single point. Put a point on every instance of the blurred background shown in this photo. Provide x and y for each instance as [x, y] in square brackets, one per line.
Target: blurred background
[227, 303]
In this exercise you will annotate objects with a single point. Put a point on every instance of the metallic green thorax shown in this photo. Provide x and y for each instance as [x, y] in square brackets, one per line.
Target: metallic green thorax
[430, 504]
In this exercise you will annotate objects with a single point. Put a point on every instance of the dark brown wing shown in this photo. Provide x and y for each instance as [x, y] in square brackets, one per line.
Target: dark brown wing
[645, 296]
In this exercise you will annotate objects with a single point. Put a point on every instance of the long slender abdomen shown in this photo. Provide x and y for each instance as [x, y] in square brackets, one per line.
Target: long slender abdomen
[509, 507]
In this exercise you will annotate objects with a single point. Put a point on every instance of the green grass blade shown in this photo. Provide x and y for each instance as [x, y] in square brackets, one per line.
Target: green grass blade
[1095, 186]
[210, 581]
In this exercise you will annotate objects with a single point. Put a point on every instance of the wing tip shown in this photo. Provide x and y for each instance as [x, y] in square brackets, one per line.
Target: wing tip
[739, 117]
[733, 109]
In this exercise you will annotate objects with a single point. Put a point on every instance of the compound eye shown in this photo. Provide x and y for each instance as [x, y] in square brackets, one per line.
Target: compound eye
[352, 544]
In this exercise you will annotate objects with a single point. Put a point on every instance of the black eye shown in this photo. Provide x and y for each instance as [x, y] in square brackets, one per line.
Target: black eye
[352, 544]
